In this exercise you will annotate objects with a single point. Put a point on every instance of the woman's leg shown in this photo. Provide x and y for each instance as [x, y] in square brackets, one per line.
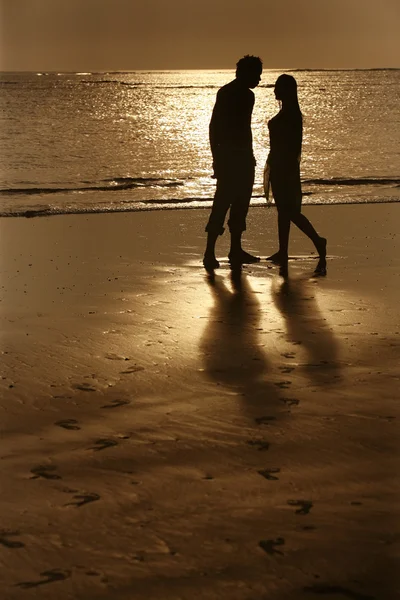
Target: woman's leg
[280, 192]
[319, 242]
[306, 227]
[283, 234]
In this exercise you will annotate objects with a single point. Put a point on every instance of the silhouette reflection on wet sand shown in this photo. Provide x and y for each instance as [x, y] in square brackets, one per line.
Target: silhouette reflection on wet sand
[237, 357]
[232, 351]
[305, 325]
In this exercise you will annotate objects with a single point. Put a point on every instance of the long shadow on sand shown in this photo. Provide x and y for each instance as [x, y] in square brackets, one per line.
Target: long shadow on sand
[231, 349]
[307, 328]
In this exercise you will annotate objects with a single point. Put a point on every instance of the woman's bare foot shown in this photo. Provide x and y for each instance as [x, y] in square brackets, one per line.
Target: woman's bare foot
[284, 269]
[278, 258]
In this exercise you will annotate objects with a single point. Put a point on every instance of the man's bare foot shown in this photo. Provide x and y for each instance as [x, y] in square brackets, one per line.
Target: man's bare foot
[210, 262]
[278, 258]
[242, 258]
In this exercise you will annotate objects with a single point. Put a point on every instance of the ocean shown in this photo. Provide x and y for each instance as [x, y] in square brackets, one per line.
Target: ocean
[123, 141]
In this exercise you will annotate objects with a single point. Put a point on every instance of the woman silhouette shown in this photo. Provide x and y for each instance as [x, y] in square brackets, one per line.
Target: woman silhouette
[286, 132]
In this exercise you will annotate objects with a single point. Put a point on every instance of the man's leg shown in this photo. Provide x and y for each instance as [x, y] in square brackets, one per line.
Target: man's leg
[241, 196]
[209, 260]
[215, 225]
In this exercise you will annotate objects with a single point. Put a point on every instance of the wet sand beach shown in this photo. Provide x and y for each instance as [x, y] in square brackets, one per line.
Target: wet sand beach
[170, 435]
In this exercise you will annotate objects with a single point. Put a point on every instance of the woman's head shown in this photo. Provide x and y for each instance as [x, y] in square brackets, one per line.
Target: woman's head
[286, 89]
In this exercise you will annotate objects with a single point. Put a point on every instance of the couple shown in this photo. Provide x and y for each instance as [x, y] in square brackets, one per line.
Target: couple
[234, 164]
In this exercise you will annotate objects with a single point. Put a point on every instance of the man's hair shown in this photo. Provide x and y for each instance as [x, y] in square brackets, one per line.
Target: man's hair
[248, 64]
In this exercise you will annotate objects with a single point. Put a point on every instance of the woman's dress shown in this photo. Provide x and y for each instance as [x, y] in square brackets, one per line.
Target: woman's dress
[285, 132]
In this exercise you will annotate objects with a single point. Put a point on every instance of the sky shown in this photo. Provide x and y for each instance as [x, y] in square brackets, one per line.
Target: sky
[106, 35]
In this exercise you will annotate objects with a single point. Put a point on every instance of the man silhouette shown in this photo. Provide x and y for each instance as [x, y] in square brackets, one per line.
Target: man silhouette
[233, 161]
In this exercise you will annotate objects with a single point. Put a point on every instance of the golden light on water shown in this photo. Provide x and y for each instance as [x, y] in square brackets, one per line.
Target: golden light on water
[168, 115]
[149, 133]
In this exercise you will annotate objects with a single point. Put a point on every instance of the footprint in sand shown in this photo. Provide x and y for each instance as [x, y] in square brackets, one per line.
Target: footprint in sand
[290, 401]
[283, 384]
[112, 356]
[286, 369]
[116, 403]
[82, 499]
[259, 444]
[336, 589]
[5, 534]
[71, 424]
[103, 444]
[269, 546]
[89, 572]
[45, 471]
[289, 354]
[133, 369]
[269, 473]
[264, 420]
[69, 490]
[388, 418]
[84, 387]
[50, 577]
[304, 506]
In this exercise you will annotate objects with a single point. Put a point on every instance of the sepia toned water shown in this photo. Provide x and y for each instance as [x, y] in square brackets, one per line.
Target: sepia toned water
[87, 142]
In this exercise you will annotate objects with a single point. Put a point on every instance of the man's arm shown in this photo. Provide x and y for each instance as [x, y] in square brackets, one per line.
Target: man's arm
[215, 125]
[215, 132]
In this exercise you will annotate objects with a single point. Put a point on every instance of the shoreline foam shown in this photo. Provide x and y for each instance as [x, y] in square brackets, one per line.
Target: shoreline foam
[171, 205]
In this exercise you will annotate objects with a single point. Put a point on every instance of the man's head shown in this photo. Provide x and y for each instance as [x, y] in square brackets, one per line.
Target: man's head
[248, 70]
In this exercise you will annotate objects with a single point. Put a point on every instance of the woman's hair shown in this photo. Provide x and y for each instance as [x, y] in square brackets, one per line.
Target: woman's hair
[287, 86]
